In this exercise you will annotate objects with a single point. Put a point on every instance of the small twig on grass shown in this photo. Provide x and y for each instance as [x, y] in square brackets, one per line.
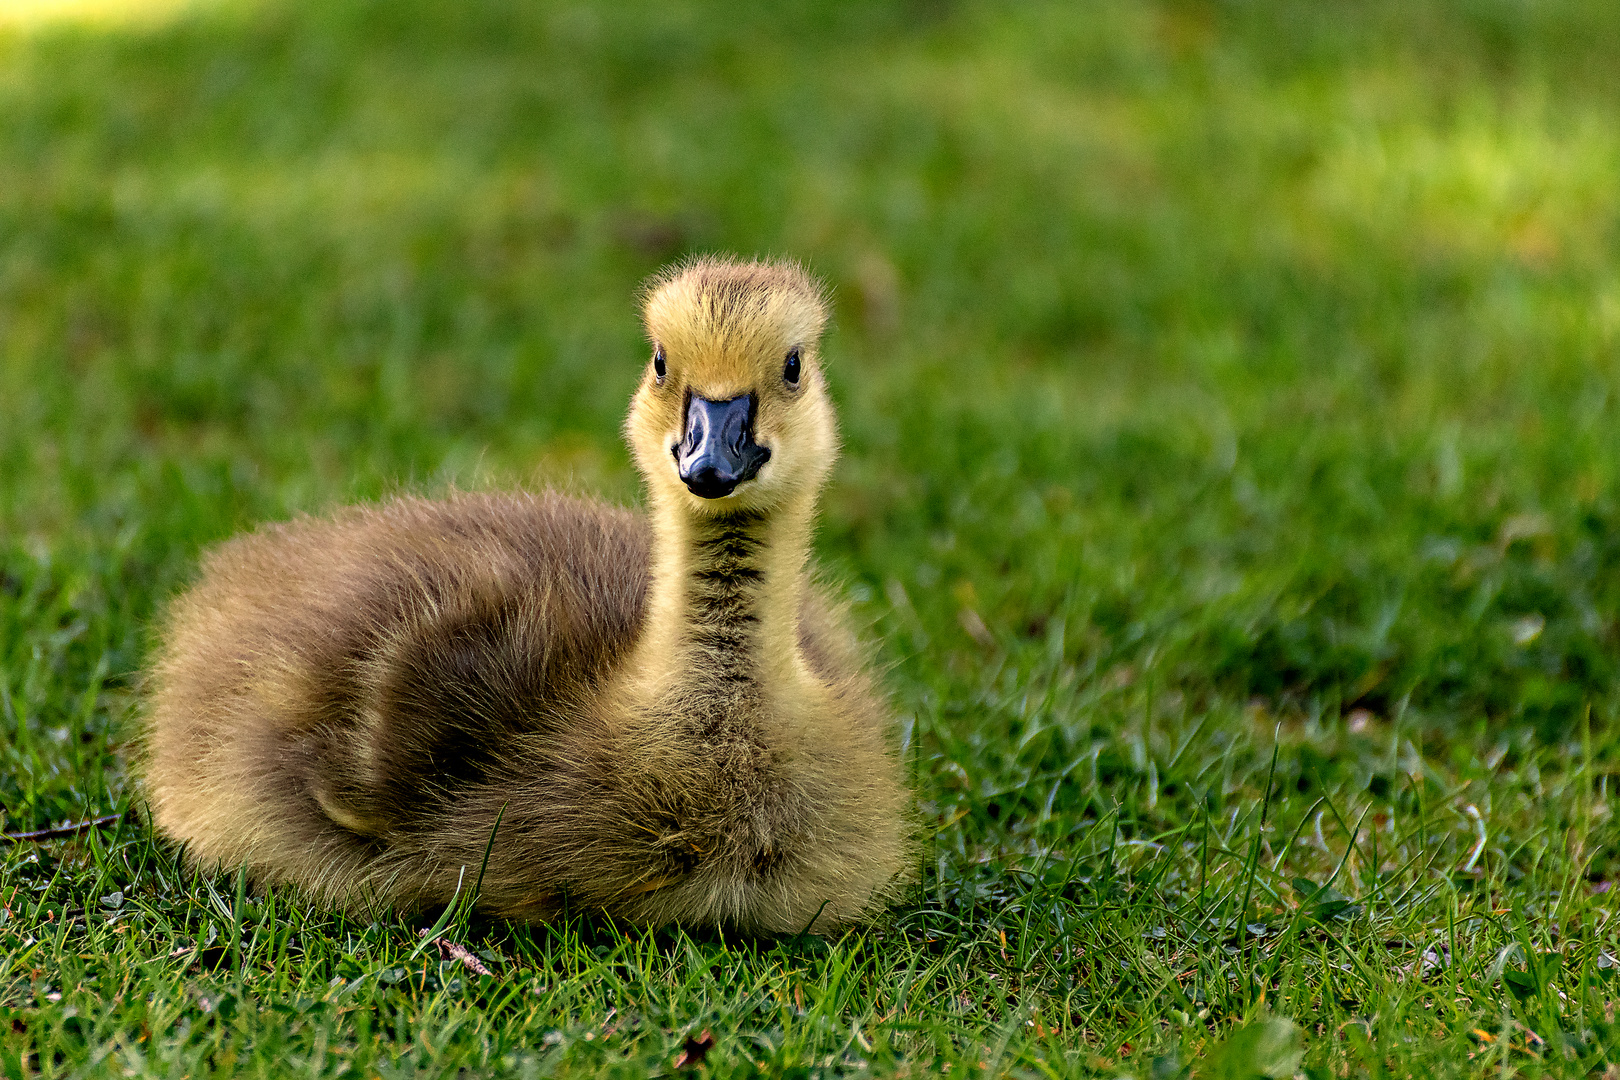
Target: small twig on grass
[465, 955]
[78, 828]
[450, 950]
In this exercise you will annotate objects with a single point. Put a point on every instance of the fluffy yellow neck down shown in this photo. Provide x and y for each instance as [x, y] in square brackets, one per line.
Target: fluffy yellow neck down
[724, 603]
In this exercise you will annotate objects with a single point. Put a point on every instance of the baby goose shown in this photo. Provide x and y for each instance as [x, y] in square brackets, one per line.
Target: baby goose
[666, 721]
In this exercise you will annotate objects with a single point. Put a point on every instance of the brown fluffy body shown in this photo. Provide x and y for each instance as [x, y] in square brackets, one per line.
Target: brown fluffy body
[667, 718]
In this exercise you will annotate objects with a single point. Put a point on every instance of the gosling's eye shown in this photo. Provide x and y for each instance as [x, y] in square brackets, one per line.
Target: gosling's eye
[660, 369]
[790, 368]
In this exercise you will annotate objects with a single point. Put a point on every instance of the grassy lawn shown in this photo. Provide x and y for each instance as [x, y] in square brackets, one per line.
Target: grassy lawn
[1231, 397]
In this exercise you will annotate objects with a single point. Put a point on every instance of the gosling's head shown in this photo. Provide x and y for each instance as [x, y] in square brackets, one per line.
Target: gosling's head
[732, 413]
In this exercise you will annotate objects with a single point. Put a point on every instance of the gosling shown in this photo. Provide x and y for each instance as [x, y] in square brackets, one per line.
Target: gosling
[558, 703]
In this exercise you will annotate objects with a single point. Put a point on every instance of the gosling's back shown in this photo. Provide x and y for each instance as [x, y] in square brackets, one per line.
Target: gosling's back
[330, 686]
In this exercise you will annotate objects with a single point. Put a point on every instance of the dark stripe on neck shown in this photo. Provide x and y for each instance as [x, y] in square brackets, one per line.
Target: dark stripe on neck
[723, 595]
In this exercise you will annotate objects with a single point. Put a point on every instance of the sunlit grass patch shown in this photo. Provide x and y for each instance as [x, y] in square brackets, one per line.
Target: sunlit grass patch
[1495, 181]
[28, 14]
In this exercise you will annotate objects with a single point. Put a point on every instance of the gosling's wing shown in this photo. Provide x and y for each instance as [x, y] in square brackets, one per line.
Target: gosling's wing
[357, 669]
[507, 612]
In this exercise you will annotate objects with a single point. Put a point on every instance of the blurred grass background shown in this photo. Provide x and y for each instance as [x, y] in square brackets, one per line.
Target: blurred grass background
[1203, 367]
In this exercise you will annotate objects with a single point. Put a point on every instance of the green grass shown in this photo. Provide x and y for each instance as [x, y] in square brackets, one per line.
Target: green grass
[1230, 395]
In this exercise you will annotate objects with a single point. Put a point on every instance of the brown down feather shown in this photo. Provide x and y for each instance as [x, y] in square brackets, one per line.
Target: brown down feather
[668, 718]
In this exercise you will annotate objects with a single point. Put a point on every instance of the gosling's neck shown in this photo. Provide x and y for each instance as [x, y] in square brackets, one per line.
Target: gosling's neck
[725, 595]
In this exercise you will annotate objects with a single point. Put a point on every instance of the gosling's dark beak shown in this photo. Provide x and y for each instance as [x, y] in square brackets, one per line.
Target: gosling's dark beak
[717, 451]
